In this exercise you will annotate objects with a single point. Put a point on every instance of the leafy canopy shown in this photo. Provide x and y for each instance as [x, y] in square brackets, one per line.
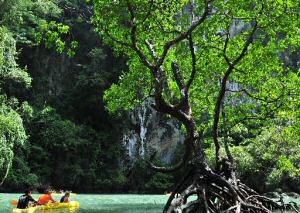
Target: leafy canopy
[12, 132]
[241, 44]
[262, 82]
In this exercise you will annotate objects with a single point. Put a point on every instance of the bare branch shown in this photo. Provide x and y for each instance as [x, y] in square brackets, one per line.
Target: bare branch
[149, 11]
[262, 99]
[193, 73]
[247, 44]
[185, 34]
[178, 78]
[169, 169]
[151, 50]
[259, 98]
[133, 45]
[161, 105]
[266, 115]
[177, 188]
[161, 27]
[228, 153]
[6, 171]
[223, 90]
[225, 49]
[115, 39]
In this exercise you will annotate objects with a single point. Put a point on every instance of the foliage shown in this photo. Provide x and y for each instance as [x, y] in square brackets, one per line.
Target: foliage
[270, 159]
[80, 121]
[55, 34]
[141, 179]
[21, 176]
[159, 182]
[10, 72]
[261, 72]
[237, 46]
[34, 22]
[12, 131]
[76, 140]
[59, 145]
[24, 16]
[276, 154]
[12, 134]
[133, 85]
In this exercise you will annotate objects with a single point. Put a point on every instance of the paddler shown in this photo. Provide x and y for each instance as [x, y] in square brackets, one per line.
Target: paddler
[25, 200]
[46, 198]
[65, 198]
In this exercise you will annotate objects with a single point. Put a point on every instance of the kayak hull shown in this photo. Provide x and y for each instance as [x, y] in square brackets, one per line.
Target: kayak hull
[28, 210]
[72, 204]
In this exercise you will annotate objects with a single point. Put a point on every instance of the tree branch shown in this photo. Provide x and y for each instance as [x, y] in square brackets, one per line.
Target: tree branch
[133, 45]
[149, 11]
[193, 73]
[151, 50]
[115, 39]
[177, 188]
[258, 98]
[247, 44]
[179, 79]
[228, 153]
[185, 34]
[225, 49]
[223, 90]
[183, 113]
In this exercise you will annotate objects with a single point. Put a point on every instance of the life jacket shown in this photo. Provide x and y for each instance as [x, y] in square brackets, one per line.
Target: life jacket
[23, 202]
[44, 199]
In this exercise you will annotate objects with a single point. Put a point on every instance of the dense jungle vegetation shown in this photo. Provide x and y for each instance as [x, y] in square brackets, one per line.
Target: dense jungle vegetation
[65, 86]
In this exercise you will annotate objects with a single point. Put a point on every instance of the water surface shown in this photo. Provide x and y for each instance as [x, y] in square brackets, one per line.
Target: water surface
[125, 203]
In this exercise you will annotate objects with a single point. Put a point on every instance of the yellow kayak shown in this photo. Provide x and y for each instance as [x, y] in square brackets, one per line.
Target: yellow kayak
[28, 210]
[72, 204]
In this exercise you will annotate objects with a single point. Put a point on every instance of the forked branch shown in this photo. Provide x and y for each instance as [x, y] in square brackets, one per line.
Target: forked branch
[231, 66]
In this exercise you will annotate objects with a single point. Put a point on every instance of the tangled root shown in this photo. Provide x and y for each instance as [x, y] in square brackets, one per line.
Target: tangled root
[214, 193]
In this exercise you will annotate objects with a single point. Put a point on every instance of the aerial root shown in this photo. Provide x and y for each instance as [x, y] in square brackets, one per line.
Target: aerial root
[210, 192]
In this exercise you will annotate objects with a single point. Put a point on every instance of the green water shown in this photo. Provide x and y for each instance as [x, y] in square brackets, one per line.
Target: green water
[102, 203]
[126, 203]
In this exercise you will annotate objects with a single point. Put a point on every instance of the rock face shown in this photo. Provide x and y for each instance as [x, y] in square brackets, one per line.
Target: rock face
[148, 131]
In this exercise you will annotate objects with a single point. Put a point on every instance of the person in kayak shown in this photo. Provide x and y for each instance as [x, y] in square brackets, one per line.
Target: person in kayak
[46, 198]
[65, 198]
[25, 200]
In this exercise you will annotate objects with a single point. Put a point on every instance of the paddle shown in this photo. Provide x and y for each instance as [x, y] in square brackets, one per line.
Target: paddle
[14, 202]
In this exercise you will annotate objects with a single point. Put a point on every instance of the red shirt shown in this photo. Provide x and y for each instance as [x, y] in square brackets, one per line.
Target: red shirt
[44, 199]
